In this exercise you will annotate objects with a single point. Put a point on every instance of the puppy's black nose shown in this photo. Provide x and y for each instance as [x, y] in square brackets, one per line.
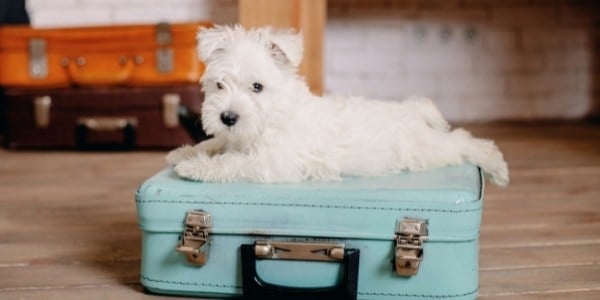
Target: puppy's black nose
[229, 118]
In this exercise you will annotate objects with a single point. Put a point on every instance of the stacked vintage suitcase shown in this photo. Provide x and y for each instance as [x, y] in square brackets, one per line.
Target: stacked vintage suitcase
[95, 87]
[407, 236]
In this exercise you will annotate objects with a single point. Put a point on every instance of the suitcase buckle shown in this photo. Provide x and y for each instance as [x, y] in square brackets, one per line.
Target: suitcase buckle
[38, 59]
[194, 242]
[170, 111]
[42, 111]
[164, 52]
[410, 235]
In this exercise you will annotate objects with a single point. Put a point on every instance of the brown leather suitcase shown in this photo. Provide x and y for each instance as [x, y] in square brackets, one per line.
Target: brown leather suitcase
[133, 55]
[102, 118]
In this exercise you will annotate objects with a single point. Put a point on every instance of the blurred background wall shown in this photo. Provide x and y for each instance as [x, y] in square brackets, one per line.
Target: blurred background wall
[44, 13]
[480, 60]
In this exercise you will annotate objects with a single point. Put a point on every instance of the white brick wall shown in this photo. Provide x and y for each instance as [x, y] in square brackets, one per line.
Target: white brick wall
[479, 60]
[60, 13]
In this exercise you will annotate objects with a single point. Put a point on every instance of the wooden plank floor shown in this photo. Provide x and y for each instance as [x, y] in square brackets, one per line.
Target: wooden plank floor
[68, 228]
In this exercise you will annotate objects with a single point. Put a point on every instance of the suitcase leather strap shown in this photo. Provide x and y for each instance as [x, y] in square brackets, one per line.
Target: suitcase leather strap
[256, 288]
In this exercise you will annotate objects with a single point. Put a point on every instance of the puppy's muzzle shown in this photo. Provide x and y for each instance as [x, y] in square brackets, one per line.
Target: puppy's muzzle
[229, 118]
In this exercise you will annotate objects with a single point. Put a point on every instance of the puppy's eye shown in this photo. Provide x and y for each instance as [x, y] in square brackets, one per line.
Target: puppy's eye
[257, 87]
[219, 85]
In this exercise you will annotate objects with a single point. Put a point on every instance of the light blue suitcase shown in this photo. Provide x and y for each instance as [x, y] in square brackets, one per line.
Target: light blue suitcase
[407, 236]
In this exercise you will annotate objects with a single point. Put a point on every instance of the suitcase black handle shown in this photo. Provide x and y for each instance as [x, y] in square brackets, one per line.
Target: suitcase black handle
[256, 288]
[127, 125]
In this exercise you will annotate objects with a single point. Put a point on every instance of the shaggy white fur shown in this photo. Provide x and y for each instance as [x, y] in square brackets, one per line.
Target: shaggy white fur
[268, 127]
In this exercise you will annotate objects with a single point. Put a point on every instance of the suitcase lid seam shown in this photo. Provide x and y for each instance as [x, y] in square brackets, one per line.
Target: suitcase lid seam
[310, 206]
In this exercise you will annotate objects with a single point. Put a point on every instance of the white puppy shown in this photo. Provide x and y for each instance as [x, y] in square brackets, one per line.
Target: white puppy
[268, 127]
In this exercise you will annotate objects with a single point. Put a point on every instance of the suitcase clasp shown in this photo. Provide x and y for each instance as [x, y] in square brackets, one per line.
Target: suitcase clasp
[42, 111]
[194, 242]
[170, 111]
[165, 61]
[410, 235]
[38, 59]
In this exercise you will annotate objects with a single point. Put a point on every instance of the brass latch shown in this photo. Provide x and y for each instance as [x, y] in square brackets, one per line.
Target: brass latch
[42, 111]
[299, 250]
[194, 242]
[164, 51]
[410, 235]
[38, 59]
[170, 113]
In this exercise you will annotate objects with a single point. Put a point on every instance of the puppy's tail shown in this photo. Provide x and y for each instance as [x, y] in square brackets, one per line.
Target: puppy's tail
[427, 110]
[485, 154]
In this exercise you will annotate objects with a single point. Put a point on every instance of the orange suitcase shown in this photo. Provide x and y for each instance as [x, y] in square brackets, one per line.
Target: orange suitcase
[133, 55]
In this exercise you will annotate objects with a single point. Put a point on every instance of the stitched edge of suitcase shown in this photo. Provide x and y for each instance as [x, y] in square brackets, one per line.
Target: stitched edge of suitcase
[419, 295]
[189, 283]
[360, 293]
[307, 205]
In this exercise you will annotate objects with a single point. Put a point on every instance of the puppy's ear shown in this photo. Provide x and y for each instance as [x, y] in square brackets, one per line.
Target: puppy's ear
[210, 41]
[287, 47]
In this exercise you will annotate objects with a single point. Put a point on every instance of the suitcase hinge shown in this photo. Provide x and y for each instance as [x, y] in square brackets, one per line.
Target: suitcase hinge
[194, 242]
[38, 59]
[164, 51]
[410, 235]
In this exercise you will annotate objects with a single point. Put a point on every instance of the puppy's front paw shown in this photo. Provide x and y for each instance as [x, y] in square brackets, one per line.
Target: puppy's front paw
[194, 169]
[180, 154]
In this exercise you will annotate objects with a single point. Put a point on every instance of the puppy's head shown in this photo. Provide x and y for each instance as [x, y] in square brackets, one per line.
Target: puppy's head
[249, 78]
